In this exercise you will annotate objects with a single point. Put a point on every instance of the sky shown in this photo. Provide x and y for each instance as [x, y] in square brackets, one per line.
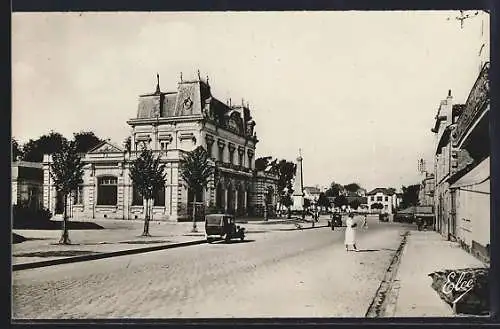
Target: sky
[356, 91]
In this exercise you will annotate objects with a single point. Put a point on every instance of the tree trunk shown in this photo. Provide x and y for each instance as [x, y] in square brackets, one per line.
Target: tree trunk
[65, 235]
[194, 213]
[146, 220]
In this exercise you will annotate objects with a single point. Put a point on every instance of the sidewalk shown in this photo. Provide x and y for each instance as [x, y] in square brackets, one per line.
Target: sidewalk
[120, 236]
[425, 252]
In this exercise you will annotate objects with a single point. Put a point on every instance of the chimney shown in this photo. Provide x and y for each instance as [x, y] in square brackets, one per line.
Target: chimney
[448, 109]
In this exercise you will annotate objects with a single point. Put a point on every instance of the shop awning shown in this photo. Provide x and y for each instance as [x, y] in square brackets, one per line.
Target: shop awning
[478, 175]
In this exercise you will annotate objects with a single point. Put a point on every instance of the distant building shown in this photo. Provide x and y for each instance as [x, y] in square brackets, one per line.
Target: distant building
[171, 124]
[385, 196]
[446, 118]
[426, 192]
[312, 193]
[27, 184]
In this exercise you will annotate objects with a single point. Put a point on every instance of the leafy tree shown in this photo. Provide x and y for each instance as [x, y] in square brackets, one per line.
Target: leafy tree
[323, 201]
[197, 171]
[352, 187]
[16, 149]
[340, 201]
[46, 144]
[67, 172]
[148, 176]
[355, 203]
[85, 141]
[377, 205]
[262, 163]
[410, 195]
[334, 190]
[285, 170]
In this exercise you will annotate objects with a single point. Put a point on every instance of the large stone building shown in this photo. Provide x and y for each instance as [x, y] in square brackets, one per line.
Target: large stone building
[467, 186]
[172, 123]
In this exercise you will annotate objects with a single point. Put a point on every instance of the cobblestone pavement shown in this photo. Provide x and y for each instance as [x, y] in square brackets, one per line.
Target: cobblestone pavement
[278, 274]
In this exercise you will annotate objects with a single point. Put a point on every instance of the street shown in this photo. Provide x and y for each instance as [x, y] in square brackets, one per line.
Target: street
[299, 273]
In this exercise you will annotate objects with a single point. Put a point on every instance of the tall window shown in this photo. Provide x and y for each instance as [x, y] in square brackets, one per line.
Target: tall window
[159, 199]
[386, 198]
[78, 195]
[137, 199]
[163, 145]
[231, 157]
[372, 198]
[221, 154]
[379, 198]
[209, 149]
[240, 159]
[107, 191]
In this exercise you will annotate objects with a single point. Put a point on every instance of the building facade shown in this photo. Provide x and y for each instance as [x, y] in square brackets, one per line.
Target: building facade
[470, 178]
[445, 122]
[386, 197]
[171, 124]
[426, 192]
[462, 192]
[27, 184]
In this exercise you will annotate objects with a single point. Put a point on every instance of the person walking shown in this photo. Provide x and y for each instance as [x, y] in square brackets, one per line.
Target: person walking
[365, 222]
[350, 233]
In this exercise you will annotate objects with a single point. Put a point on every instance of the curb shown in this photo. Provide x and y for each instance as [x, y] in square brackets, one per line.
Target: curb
[68, 260]
[386, 292]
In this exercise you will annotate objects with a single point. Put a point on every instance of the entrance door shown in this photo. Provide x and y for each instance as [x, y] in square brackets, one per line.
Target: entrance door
[59, 204]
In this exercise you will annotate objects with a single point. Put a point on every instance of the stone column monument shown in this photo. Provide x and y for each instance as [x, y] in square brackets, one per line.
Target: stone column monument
[298, 187]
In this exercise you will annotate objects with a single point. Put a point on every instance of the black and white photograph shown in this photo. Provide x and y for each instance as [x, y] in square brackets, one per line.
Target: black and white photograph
[250, 164]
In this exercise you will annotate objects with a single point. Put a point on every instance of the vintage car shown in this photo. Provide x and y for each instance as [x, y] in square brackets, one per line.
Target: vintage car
[222, 226]
[336, 220]
[383, 217]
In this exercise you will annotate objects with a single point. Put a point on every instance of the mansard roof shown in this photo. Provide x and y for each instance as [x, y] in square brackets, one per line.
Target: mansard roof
[194, 98]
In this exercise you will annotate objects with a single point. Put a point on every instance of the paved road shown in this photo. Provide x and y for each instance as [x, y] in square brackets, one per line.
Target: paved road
[277, 274]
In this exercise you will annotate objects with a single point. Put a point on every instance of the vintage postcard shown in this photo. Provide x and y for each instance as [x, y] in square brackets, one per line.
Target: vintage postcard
[316, 164]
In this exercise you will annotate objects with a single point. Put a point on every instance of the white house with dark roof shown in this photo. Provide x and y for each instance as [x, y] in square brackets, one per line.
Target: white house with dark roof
[385, 196]
[170, 124]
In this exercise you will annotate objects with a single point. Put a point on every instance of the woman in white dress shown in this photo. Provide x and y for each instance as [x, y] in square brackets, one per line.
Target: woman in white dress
[350, 233]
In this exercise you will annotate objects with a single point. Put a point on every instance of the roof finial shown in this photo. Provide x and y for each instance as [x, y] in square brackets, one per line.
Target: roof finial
[199, 77]
[449, 92]
[229, 101]
[181, 76]
[207, 79]
[157, 83]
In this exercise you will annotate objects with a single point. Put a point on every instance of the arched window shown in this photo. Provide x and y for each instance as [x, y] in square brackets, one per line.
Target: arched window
[107, 191]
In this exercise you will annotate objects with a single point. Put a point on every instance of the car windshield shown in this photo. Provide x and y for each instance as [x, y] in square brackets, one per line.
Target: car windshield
[213, 220]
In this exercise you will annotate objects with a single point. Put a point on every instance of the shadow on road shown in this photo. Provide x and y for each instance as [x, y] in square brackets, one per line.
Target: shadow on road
[372, 250]
[231, 241]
